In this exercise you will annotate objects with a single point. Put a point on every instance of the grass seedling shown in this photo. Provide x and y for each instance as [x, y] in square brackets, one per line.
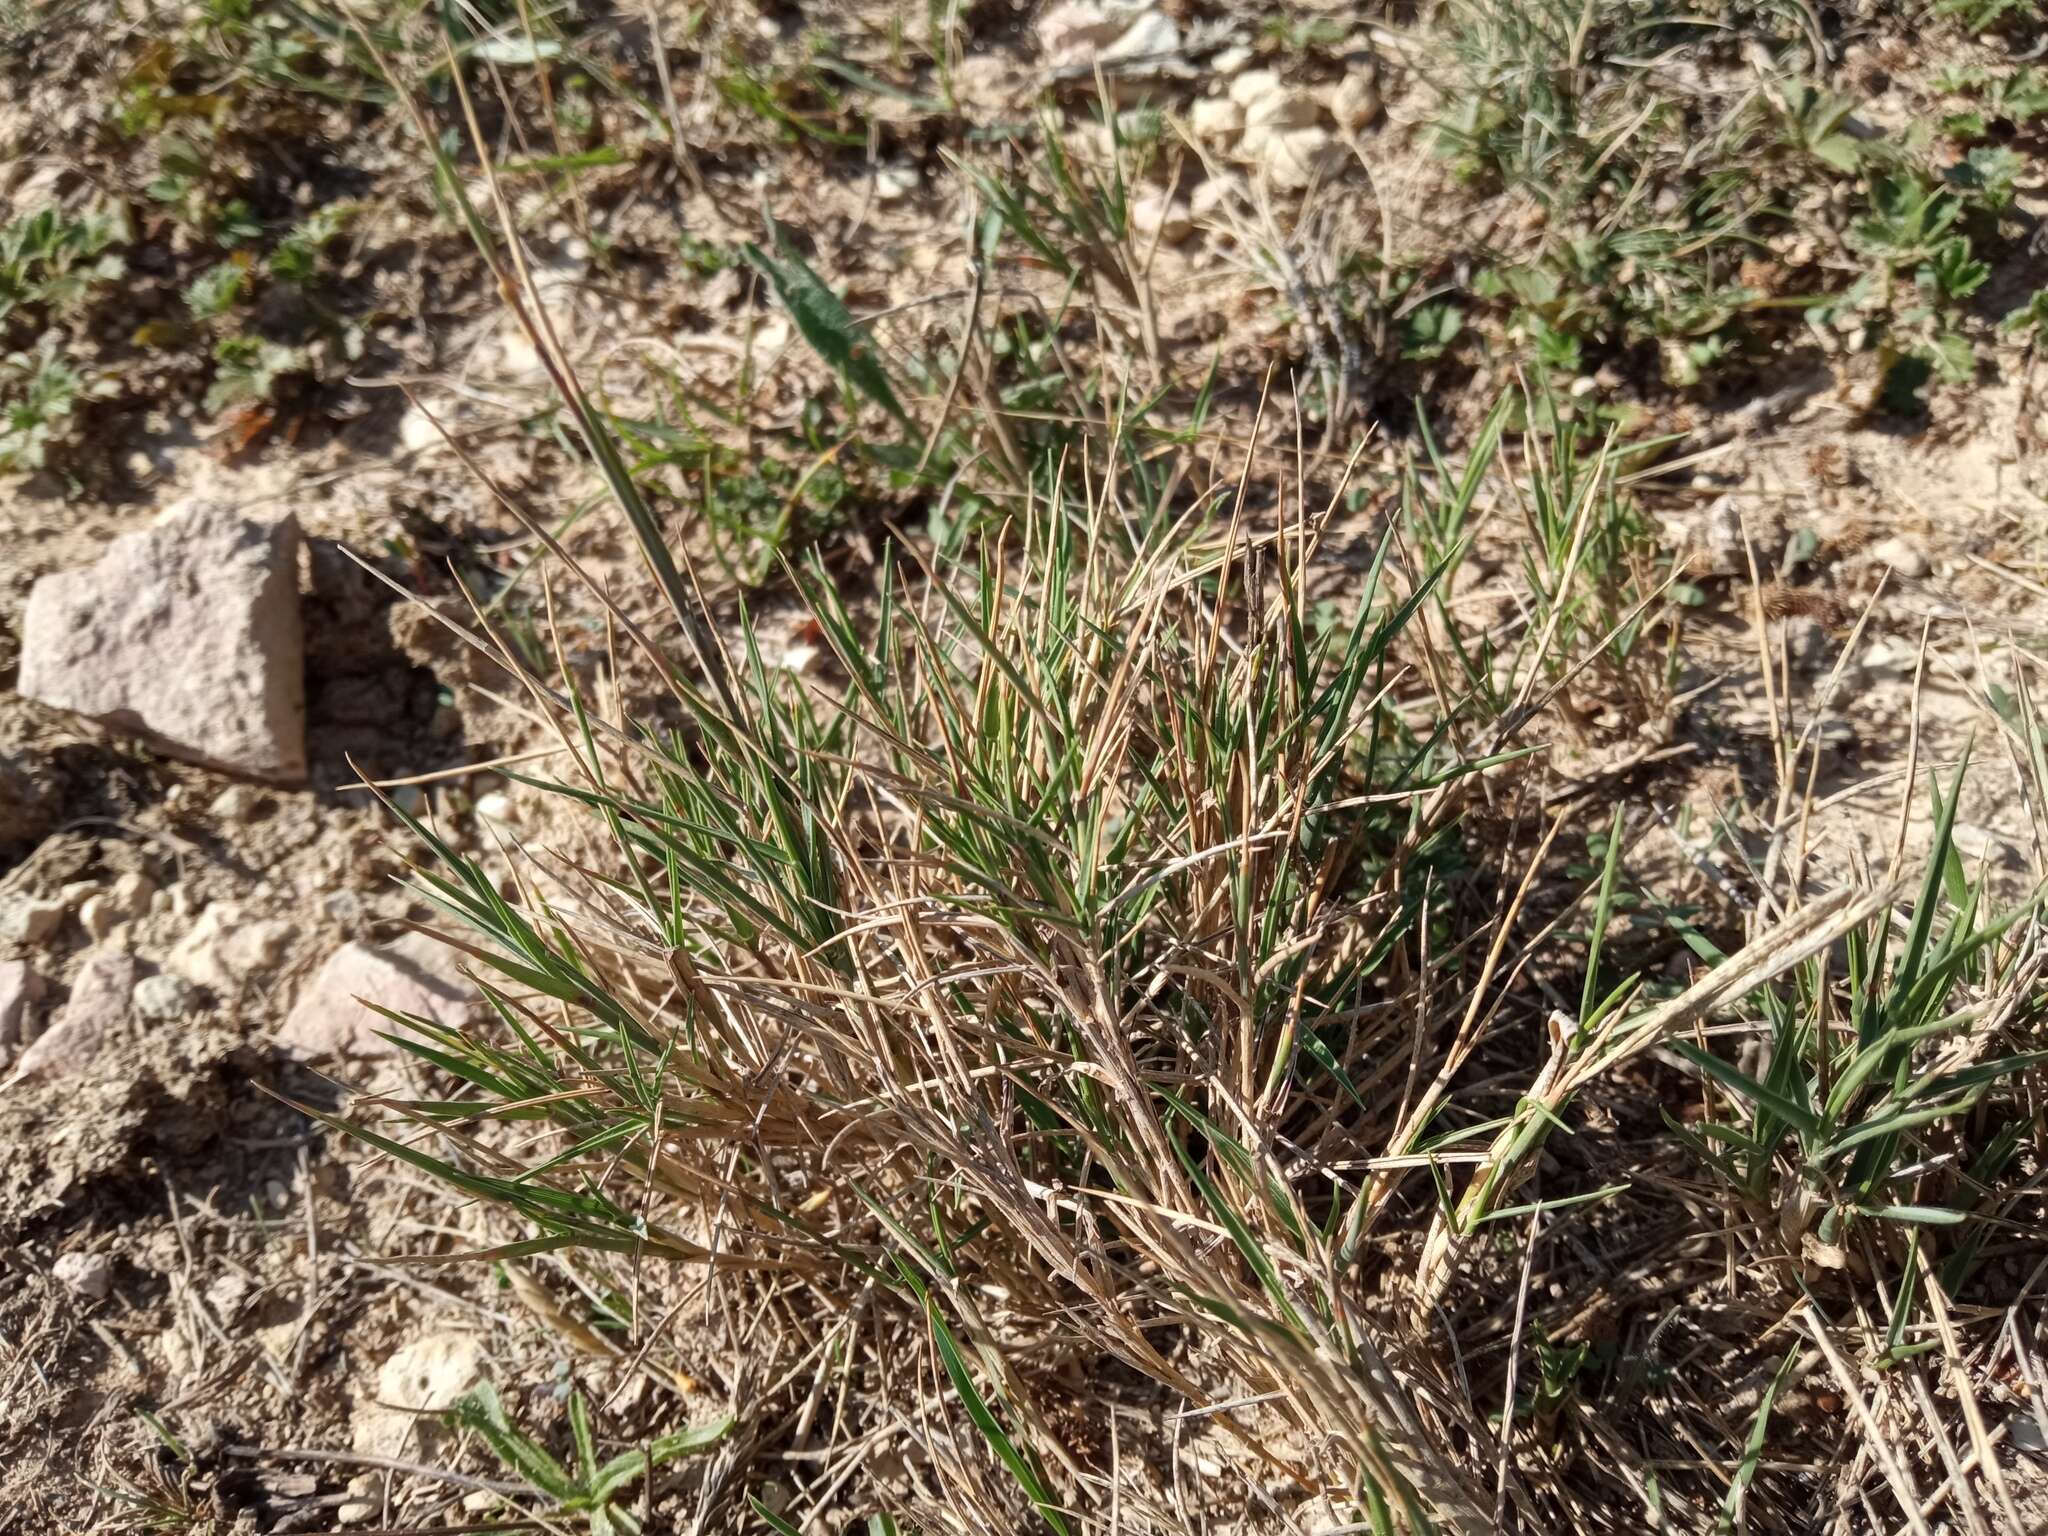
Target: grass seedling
[1863, 1087]
[590, 1489]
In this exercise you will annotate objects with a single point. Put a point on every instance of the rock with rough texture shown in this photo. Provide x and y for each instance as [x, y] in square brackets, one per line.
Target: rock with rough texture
[20, 987]
[89, 1276]
[1073, 33]
[430, 1374]
[30, 922]
[165, 998]
[496, 807]
[236, 804]
[421, 1379]
[1277, 107]
[225, 951]
[1267, 101]
[1156, 214]
[185, 633]
[411, 976]
[1356, 101]
[129, 897]
[1720, 540]
[1152, 35]
[1252, 85]
[1216, 117]
[1292, 159]
[101, 996]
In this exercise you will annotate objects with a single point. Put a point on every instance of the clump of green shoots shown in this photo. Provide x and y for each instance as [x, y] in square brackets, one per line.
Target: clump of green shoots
[595, 1493]
[1864, 1108]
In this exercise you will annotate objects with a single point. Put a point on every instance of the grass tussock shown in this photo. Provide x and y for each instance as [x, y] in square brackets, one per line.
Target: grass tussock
[1117, 982]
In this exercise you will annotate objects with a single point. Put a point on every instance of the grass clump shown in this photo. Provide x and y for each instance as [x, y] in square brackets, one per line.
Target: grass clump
[1056, 920]
[1093, 964]
[1083, 994]
[1866, 1080]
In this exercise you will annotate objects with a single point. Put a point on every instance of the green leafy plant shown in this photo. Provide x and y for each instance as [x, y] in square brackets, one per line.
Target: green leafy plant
[589, 1488]
[216, 291]
[1558, 1367]
[247, 370]
[2031, 316]
[39, 393]
[827, 325]
[297, 256]
[1990, 15]
[1428, 330]
[1952, 271]
[50, 260]
[1909, 220]
[1816, 123]
[2015, 96]
[801, 105]
[1991, 175]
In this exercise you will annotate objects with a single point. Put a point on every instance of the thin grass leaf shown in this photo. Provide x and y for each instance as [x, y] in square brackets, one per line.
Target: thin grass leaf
[1753, 1446]
[1749, 1088]
[984, 1419]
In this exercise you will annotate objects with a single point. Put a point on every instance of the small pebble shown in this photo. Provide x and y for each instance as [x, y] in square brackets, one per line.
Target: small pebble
[163, 998]
[496, 806]
[1154, 214]
[236, 803]
[1216, 117]
[132, 893]
[97, 915]
[88, 1275]
[893, 183]
[100, 913]
[1356, 102]
[1901, 556]
[20, 988]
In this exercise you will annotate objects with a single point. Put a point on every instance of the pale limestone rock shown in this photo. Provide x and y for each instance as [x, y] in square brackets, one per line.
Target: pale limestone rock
[411, 976]
[185, 633]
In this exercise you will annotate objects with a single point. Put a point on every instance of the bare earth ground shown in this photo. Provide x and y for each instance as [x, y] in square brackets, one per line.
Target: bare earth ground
[263, 1349]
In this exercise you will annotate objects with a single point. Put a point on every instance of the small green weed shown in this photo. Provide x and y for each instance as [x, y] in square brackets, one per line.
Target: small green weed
[2017, 97]
[1593, 569]
[50, 261]
[1991, 15]
[591, 1489]
[40, 392]
[247, 370]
